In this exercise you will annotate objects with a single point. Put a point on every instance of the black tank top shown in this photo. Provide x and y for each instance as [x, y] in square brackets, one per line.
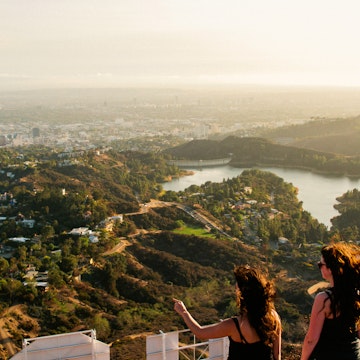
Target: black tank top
[247, 351]
[336, 342]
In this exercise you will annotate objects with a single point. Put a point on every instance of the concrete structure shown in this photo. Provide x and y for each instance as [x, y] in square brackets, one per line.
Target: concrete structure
[167, 346]
[199, 163]
[70, 346]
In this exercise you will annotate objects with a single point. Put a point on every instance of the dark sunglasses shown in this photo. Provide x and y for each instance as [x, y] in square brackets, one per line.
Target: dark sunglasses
[320, 264]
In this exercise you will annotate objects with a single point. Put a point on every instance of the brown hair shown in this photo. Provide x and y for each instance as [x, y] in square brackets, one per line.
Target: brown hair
[343, 259]
[255, 298]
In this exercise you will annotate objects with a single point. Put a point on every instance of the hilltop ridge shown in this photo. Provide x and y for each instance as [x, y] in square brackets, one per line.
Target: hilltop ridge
[254, 151]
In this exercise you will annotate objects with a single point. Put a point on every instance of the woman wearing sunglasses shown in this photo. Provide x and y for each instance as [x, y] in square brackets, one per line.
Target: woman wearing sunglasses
[334, 328]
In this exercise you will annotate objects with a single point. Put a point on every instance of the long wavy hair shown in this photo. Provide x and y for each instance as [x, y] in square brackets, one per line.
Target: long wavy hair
[255, 298]
[343, 259]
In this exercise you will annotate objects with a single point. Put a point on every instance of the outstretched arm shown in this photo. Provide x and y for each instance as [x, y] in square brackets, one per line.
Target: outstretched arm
[217, 330]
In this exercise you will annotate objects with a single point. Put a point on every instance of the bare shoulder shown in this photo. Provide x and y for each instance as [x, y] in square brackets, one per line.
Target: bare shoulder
[322, 296]
[228, 326]
[228, 322]
[320, 301]
[231, 323]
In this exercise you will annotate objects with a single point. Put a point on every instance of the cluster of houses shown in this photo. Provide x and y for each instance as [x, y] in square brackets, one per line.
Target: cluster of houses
[38, 278]
[253, 211]
[19, 220]
[85, 231]
[33, 276]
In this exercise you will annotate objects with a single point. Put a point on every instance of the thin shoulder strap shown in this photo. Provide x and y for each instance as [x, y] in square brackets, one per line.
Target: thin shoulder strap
[330, 297]
[329, 294]
[236, 321]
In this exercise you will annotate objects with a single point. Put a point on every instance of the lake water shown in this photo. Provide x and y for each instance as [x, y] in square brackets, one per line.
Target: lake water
[317, 192]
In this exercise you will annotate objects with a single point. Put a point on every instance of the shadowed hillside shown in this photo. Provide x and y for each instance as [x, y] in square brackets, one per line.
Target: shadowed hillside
[263, 152]
[338, 136]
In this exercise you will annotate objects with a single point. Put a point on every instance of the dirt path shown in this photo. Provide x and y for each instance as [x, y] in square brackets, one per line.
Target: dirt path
[5, 336]
[120, 247]
[6, 341]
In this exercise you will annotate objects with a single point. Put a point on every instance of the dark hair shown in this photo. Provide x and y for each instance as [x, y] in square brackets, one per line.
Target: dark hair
[343, 259]
[255, 298]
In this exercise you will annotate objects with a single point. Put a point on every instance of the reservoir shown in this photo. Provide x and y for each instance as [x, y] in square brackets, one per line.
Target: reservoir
[318, 192]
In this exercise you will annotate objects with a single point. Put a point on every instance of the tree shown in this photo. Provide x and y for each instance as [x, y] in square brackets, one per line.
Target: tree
[102, 327]
[4, 266]
[55, 278]
[124, 228]
[170, 196]
[110, 277]
[30, 292]
[69, 263]
[22, 254]
[11, 289]
[179, 224]
[47, 232]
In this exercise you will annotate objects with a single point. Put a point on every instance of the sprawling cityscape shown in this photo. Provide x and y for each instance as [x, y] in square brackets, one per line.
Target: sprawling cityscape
[85, 119]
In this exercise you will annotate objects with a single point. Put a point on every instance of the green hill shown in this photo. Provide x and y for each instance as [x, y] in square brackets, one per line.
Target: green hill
[263, 152]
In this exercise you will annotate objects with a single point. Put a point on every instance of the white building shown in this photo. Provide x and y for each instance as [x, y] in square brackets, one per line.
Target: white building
[19, 239]
[79, 231]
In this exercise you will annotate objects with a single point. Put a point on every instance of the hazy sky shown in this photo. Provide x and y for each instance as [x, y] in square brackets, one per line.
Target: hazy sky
[123, 42]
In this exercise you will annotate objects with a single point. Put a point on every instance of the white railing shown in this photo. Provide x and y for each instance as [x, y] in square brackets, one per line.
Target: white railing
[166, 346]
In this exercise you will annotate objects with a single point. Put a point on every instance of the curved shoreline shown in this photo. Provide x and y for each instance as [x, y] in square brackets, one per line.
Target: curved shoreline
[187, 163]
[313, 170]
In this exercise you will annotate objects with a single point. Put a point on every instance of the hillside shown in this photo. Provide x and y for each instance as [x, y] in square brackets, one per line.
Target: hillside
[339, 136]
[123, 284]
[345, 144]
[263, 152]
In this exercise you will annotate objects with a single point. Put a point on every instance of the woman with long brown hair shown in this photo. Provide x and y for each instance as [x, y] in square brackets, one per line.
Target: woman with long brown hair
[334, 328]
[256, 332]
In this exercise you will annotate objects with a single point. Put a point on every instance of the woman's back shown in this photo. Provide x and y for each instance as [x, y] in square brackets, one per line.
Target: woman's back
[246, 343]
[336, 340]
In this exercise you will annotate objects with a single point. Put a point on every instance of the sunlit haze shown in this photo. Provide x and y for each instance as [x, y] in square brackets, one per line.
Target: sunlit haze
[114, 43]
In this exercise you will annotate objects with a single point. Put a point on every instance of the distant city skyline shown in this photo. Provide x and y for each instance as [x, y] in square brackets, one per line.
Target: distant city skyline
[117, 43]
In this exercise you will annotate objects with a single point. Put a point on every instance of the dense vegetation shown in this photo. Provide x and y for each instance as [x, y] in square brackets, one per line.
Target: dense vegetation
[123, 284]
